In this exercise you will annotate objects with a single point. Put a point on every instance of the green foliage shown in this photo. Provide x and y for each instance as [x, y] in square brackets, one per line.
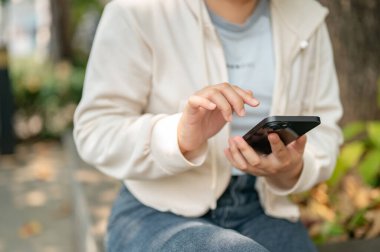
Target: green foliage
[361, 151]
[373, 129]
[348, 158]
[45, 96]
[81, 6]
[352, 130]
[369, 168]
[378, 93]
[329, 230]
[359, 158]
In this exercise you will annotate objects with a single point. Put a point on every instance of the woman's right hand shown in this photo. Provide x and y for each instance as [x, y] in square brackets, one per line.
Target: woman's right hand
[207, 111]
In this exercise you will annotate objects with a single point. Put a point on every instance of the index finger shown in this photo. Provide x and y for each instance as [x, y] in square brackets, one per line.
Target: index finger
[247, 96]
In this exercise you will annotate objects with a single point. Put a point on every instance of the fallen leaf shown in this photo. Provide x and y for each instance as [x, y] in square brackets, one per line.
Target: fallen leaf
[29, 229]
[374, 218]
[44, 172]
[320, 194]
[344, 206]
[88, 176]
[35, 198]
[362, 198]
[322, 211]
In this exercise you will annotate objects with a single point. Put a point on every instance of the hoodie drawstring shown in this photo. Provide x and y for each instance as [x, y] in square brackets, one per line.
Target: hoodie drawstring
[316, 79]
[207, 82]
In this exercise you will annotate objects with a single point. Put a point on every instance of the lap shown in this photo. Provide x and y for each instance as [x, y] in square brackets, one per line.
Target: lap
[135, 227]
[239, 208]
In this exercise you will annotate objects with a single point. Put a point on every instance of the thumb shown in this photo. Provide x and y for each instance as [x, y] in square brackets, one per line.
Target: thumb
[299, 144]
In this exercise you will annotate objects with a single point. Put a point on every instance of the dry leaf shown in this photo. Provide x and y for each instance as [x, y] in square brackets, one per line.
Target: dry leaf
[88, 176]
[351, 185]
[64, 210]
[35, 198]
[375, 194]
[315, 229]
[101, 211]
[344, 206]
[29, 229]
[100, 227]
[322, 211]
[320, 194]
[374, 218]
[108, 196]
[360, 232]
[362, 198]
[44, 172]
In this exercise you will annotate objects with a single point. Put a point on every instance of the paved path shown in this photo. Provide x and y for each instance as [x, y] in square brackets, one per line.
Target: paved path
[51, 201]
[95, 195]
[35, 201]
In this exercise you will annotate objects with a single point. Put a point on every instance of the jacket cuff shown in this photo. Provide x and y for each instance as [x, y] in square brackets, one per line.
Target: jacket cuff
[165, 148]
[305, 181]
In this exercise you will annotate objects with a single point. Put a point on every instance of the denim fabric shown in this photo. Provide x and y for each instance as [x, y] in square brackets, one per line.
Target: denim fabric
[237, 224]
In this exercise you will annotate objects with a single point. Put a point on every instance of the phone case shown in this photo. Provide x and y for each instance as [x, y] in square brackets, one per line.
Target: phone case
[289, 128]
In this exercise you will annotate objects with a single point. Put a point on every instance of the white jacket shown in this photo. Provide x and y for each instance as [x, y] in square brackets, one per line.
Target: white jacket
[149, 56]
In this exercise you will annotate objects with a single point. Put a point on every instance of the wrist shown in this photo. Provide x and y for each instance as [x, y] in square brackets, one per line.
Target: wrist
[186, 144]
[186, 149]
[287, 179]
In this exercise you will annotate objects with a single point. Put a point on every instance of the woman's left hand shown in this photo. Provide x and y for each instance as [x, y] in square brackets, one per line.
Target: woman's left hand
[282, 167]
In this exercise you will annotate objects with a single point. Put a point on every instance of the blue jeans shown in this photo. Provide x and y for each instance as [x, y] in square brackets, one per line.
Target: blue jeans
[237, 224]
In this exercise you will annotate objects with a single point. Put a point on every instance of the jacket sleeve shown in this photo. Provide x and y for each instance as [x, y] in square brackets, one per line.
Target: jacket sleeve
[323, 142]
[111, 129]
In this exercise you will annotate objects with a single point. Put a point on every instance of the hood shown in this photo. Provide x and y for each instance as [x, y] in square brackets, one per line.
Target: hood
[300, 17]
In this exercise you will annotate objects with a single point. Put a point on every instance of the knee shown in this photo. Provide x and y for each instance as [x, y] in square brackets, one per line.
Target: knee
[213, 240]
[234, 243]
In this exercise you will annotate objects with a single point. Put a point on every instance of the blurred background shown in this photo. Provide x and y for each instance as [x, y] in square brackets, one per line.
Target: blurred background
[51, 201]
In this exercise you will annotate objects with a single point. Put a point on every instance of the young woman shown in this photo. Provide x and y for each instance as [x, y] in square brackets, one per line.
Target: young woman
[171, 87]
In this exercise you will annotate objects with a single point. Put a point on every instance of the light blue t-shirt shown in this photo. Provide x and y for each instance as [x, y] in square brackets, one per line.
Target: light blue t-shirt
[249, 55]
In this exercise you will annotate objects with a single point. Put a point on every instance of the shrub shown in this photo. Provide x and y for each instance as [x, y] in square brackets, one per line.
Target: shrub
[348, 205]
[45, 97]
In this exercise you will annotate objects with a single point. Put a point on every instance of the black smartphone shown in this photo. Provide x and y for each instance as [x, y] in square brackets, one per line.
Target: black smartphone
[288, 128]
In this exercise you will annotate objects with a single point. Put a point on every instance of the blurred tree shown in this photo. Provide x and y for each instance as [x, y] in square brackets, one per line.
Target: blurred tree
[6, 100]
[60, 30]
[355, 30]
[66, 15]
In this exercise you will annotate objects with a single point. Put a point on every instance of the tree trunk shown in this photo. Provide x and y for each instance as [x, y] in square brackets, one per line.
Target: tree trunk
[7, 139]
[354, 27]
[60, 30]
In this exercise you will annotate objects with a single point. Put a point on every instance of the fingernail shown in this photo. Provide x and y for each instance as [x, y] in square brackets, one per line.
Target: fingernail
[212, 105]
[255, 102]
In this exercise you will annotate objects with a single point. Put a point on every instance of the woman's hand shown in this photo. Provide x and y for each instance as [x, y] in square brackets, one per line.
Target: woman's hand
[282, 167]
[207, 111]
